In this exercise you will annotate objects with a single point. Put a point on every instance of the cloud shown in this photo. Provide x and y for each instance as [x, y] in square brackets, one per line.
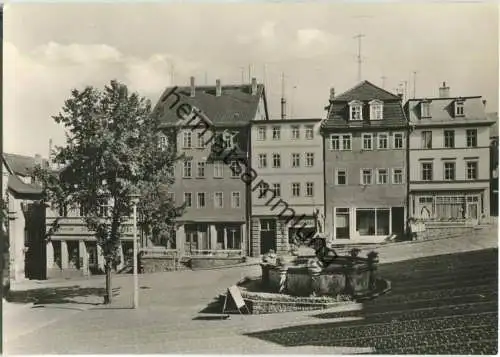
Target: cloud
[37, 82]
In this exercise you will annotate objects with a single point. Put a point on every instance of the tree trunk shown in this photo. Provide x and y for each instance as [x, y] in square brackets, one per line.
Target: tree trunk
[108, 294]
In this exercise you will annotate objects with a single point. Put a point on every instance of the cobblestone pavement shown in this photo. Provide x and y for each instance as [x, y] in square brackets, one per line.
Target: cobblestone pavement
[438, 305]
[444, 304]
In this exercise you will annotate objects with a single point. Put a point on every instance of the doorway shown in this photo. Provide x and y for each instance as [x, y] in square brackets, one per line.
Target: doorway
[34, 242]
[398, 221]
[267, 235]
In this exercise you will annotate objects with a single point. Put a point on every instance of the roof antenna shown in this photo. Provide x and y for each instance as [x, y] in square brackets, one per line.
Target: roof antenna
[283, 100]
[360, 60]
[414, 84]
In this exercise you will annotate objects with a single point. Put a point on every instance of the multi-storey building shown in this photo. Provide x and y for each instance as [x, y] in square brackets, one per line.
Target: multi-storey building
[494, 164]
[210, 126]
[365, 165]
[287, 155]
[449, 157]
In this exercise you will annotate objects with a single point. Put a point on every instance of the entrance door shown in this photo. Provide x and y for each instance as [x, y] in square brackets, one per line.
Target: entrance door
[36, 246]
[341, 223]
[267, 235]
[472, 211]
[398, 221]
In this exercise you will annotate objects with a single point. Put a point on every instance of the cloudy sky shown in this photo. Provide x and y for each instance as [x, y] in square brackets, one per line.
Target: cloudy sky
[50, 49]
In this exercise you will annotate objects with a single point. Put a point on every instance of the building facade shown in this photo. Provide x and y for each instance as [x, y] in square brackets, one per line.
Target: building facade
[212, 131]
[365, 167]
[287, 155]
[494, 165]
[449, 158]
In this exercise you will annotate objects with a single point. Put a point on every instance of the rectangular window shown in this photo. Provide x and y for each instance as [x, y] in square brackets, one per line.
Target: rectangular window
[187, 169]
[425, 109]
[276, 133]
[276, 161]
[471, 169]
[309, 159]
[356, 111]
[262, 164]
[201, 199]
[218, 170]
[263, 189]
[471, 138]
[426, 139]
[295, 132]
[346, 142]
[398, 141]
[201, 169]
[295, 160]
[397, 176]
[383, 141]
[459, 109]
[277, 189]
[367, 141]
[218, 200]
[373, 222]
[296, 189]
[309, 132]
[188, 199]
[334, 142]
[366, 176]
[261, 133]
[187, 140]
[201, 140]
[376, 111]
[163, 142]
[228, 140]
[309, 189]
[235, 200]
[341, 177]
[427, 171]
[381, 176]
[449, 171]
[235, 169]
[449, 138]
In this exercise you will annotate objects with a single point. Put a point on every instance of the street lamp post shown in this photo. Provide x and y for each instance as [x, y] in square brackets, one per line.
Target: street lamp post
[135, 200]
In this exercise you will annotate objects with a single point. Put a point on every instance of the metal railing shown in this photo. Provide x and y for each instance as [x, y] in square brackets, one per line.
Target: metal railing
[214, 252]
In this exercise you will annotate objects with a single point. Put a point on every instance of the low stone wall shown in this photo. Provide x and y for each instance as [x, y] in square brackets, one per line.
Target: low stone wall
[444, 231]
[214, 262]
[269, 307]
[160, 264]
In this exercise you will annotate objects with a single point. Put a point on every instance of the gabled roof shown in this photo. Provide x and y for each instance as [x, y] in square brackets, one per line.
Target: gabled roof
[365, 91]
[235, 106]
[22, 165]
[23, 189]
[338, 110]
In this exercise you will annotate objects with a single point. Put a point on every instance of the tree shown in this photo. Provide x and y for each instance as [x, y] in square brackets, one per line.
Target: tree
[113, 149]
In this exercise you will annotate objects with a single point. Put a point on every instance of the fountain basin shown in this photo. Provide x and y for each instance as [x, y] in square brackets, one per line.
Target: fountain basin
[346, 275]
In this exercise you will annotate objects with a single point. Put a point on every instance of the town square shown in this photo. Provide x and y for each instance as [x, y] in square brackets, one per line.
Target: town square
[321, 178]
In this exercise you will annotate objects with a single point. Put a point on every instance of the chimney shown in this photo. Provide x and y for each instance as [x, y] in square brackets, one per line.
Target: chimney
[283, 108]
[484, 102]
[400, 95]
[254, 86]
[193, 89]
[38, 159]
[332, 93]
[444, 91]
[218, 89]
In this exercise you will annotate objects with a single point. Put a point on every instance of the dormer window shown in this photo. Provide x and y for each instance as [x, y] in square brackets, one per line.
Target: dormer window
[376, 110]
[163, 143]
[228, 139]
[459, 108]
[425, 109]
[355, 110]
